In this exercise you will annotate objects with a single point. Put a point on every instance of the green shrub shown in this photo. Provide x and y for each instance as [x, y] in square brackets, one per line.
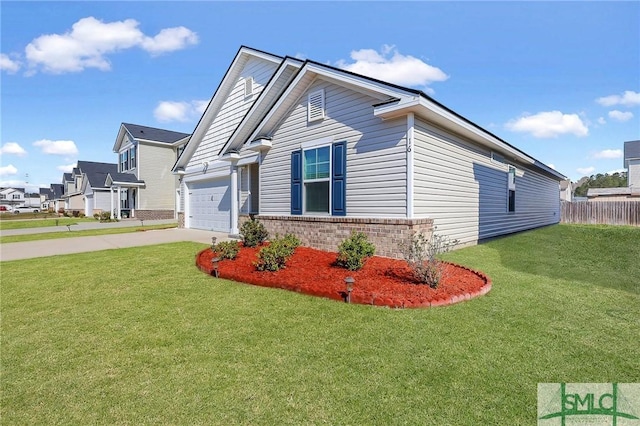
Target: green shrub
[253, 233]
[274, 256]
[96, 216]
[421, 254]
[353, 251]
[227, 249]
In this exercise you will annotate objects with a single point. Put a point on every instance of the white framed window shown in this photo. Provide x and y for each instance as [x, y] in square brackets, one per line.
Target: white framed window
[511, 190]
[317, 180]
[132, 157]
[316, 106]
[248, 87]
[124, 160]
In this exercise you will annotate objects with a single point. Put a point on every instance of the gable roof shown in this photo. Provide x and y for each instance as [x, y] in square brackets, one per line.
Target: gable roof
[96, 173]
[148, 134]
[219, 97]
[67, 177]
[57, 190]
[631, 151]
[125, 179]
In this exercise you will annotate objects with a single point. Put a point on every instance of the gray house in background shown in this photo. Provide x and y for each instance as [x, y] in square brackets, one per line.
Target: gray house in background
[631, 192]
[632, 164]
[320, 152]
[145, 186]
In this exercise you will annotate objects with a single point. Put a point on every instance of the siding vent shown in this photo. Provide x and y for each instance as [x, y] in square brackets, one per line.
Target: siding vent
[497, 158]
[315, 106]
[248, 86]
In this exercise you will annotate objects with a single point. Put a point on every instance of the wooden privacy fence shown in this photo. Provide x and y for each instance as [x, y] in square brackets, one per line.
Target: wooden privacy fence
[601, 212]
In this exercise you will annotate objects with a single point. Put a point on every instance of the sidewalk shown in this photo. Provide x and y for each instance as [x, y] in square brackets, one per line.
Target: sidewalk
[43, 248]
[86, 225]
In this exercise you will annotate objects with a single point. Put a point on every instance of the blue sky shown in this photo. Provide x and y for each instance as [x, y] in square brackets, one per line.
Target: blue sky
[559, 80]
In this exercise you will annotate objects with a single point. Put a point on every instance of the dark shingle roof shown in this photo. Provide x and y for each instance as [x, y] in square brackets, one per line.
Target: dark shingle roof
[57, 189]
[154, 134]
[631, 150]
[97, 172]
[66, 177]
[125, 177]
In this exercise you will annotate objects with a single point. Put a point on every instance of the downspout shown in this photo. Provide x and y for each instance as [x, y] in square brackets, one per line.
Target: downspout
[410, 161]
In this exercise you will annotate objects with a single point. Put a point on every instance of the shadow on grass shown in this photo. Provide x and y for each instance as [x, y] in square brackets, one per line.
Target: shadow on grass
[605, 256]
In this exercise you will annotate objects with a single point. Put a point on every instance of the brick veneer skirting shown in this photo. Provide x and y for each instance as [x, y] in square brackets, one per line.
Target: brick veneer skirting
[154, 214]
[326, 233]
[180, 219]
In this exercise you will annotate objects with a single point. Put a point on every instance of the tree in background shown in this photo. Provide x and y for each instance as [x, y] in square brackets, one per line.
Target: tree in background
[615, 180]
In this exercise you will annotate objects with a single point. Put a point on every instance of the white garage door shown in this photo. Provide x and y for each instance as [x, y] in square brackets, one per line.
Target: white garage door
[210, 205]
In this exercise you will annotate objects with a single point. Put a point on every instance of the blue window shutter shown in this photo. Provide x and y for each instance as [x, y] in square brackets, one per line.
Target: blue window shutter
[296, 182]
[339, 179]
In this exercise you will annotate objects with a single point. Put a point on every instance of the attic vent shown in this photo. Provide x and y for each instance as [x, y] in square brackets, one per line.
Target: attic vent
[248, 86]
[497, 158]
[315, 106]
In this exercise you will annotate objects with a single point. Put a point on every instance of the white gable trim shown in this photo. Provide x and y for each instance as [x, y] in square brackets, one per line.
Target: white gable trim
[217, 100]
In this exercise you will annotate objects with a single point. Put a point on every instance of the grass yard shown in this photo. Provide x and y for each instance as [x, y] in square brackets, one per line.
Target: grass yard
[38, 220]
[140, 336]
[82, 233]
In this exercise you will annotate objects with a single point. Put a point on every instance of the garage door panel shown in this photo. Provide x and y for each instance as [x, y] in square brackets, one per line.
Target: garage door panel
[210, 205]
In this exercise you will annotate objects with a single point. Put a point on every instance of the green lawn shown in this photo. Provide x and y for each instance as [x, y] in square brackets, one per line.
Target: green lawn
[83, 233]
[140, 336]
[19, 222]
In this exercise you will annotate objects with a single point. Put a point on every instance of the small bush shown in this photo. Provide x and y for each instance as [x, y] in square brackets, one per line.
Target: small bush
[422, 254]
[81, 215]
[96, 216]
[353, 251]
[253, 233]
[227, 249]
[274, 256]
[106, 217]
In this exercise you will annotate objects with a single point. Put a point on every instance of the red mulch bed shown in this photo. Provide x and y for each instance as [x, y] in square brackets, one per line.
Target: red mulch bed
[382, 281]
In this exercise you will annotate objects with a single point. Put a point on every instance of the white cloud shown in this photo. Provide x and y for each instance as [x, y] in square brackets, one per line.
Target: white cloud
[8, 170]
[13, 148]
[601, 120]
[57, 147]
[549, 124]
[179, 111]
[628, 98]
[9, 65]
[66, 168]
[620, 116]
[608, 154]
[91, 40]
[586, 171]
[169, 40]
[390, 65]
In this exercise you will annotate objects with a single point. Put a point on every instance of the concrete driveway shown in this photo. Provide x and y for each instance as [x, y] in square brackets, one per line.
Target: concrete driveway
[43, 248]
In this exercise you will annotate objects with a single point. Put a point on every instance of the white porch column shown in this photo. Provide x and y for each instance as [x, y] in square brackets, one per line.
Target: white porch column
[119, 202]
[234, 200]
[111, 201]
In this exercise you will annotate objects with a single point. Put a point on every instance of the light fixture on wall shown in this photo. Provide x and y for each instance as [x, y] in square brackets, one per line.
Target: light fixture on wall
[205, 166]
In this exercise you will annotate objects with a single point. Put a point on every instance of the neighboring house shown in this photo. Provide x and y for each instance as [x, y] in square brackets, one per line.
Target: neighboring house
[96, 194]
[46, 198]
[144, 178]
[632, 164]
[566, 190]
[631, 192]
[16, 197]
[74, 200]
[13, 197]
[319, 151]
[57, 200]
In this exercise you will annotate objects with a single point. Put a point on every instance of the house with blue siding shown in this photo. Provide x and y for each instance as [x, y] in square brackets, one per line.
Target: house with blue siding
[319, 151]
